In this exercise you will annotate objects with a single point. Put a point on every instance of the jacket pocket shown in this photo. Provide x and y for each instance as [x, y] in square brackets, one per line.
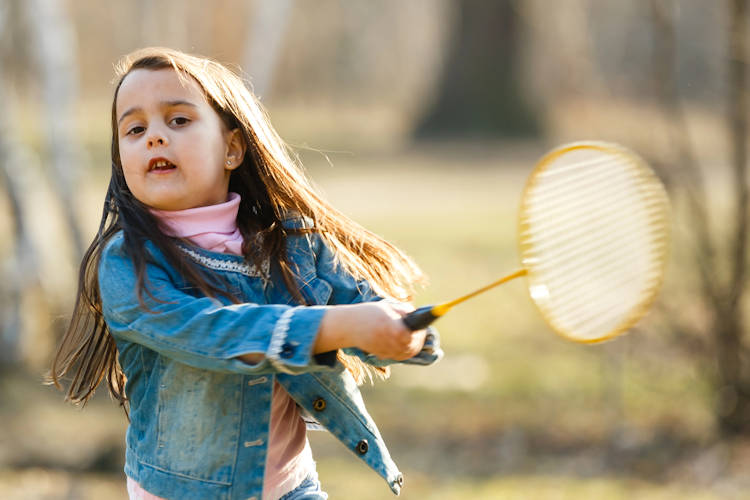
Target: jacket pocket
[198, 423]
[317, 291]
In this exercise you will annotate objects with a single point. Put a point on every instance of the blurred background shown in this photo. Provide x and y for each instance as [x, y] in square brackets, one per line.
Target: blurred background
[421, 120]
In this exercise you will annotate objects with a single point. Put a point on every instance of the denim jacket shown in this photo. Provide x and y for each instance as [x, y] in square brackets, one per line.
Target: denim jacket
[200, 416]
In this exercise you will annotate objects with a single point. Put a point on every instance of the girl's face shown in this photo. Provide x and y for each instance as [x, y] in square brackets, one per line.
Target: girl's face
[176, 152]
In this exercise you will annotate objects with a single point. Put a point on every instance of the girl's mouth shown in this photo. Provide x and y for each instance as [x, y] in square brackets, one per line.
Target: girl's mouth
[161, 165]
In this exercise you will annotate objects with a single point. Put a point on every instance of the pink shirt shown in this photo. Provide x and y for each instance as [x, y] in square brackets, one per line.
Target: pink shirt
[289, 458]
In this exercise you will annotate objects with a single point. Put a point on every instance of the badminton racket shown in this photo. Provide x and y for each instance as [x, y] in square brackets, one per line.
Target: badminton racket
[593, 238]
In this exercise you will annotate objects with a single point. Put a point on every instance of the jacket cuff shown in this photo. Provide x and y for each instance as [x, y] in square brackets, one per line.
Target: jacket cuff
[293, 337]
[430, 353]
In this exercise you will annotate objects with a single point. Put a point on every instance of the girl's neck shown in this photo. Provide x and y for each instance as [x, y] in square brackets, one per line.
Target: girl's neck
[212, 227]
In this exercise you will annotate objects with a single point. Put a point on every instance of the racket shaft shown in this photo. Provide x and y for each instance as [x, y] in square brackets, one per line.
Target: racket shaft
[424, 316]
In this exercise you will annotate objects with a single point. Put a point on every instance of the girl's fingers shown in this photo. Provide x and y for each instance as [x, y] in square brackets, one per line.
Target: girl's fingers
[413, 344]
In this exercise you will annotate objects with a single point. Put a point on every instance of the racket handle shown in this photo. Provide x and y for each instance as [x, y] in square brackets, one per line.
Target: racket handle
[420, 318]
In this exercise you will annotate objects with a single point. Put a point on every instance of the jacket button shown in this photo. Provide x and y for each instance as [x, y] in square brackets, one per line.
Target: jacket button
[319, 404]
[362, 447]
[287, 350]
[400, 479]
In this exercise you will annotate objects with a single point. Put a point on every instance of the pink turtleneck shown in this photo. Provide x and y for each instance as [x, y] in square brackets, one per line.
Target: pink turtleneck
[289, 458]
[213, 227]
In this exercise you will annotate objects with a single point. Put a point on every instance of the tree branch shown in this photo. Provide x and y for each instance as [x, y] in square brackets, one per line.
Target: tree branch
[738, 109]
[665, 83]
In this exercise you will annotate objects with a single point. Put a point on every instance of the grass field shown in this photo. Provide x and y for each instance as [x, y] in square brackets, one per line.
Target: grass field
[512, 411]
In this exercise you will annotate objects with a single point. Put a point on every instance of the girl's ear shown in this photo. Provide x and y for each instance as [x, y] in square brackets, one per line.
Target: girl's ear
[235, 149]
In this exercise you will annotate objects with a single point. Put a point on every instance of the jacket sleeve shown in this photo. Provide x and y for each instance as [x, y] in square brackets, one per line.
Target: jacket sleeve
[201, 331]
[348, 290]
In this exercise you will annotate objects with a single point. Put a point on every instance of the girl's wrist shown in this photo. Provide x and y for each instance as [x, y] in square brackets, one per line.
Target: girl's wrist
[336, 330]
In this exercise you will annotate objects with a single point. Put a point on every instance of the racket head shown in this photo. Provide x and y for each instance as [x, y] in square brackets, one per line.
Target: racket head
[593, 238]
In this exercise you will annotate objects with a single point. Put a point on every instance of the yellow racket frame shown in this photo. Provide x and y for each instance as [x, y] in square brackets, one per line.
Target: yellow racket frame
[641, 169]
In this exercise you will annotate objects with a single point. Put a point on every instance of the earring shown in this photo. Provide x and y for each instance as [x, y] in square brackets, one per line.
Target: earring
[229, 162]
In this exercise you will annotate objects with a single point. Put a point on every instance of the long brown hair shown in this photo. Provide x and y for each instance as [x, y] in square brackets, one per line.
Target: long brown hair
[271, 184]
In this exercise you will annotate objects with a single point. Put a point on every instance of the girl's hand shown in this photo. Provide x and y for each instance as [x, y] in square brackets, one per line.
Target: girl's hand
[374, 327]
[384, 333]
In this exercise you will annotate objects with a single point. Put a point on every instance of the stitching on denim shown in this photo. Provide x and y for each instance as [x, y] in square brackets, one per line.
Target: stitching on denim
[278, 336]
[181, 474]
[227, 265]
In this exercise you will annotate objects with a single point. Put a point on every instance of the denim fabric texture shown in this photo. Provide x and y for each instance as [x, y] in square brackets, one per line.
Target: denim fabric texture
[199, 416]
[310, 489]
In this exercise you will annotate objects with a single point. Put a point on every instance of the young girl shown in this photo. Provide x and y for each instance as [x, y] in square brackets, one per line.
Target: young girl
[225, 302]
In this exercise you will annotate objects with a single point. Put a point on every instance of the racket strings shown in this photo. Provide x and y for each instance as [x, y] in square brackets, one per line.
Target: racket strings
[563, 255]
[575, 237]
[574, 312]
[590, 200]
[585, 203]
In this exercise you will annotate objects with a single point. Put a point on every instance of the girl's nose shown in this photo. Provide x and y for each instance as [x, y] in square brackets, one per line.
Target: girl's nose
[156, 140]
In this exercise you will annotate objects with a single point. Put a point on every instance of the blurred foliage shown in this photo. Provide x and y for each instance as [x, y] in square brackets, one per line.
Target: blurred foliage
[512, 411]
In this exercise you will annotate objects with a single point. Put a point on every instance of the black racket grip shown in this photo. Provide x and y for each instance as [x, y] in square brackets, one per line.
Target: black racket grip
[420, 318]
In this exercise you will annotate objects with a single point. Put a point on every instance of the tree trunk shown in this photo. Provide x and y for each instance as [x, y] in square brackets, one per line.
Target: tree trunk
[480, 91]
[734, 403]
[721, 294]
[264, 42]
[19, 273]
[54, 47]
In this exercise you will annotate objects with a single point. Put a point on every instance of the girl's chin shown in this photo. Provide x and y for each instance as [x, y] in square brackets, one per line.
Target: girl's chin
[171, 198]
[169, 204]
[176, 204]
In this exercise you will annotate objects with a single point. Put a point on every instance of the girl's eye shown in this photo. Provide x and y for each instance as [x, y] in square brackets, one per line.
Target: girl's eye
[179, 120]
[135, 130]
